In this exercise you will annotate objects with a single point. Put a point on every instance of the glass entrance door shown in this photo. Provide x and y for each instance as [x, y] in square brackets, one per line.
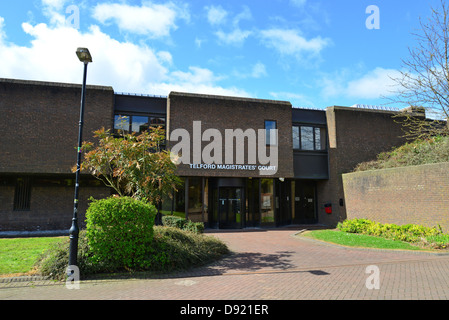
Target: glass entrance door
[230, 208]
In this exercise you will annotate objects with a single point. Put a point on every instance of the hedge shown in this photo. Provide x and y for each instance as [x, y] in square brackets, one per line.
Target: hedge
[409, 232]
[183, 224]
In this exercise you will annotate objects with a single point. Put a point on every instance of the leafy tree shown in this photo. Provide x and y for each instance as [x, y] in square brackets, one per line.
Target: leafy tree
[423, 82]
[132, 164]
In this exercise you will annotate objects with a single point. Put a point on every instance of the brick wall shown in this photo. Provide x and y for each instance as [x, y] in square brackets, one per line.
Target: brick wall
[355, 135]
[416, 194]
[39, 124]
[39, 134]
[223, 113]
[51, 208]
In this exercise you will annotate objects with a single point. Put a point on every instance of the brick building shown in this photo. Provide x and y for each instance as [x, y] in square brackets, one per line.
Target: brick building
[226, 189]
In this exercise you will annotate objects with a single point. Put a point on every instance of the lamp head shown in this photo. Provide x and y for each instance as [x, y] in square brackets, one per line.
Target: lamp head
[84, 55]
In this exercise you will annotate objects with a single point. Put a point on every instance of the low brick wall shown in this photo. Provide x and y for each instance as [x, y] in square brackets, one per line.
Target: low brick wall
[416, 194]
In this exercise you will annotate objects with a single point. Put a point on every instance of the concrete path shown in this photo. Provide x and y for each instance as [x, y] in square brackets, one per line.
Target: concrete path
[272, 265]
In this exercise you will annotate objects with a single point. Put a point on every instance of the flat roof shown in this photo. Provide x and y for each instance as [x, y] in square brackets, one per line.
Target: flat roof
[53, 84]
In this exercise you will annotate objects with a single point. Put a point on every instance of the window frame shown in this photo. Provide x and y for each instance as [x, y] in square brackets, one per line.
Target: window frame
[130, 116]
[267, 133]
[314, 128]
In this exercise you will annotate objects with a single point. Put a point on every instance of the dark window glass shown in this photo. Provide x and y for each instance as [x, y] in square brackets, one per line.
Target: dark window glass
[270, 138]
[295, 131]
[157, 122]
[22, 194]
[307, 138]
[139, 124]
[121, 123]
[320, 139]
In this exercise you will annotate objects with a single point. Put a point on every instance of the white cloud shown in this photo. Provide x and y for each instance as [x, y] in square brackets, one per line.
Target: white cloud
[289, 42]
[374, 84]
[235, 37]
[52, 9]
[2, 25]
[56, 4]
[196, 80]
[216, 15]
[259, 70]
[51, 57]
[297, 100]
[127, 67]
[153, 20]
[244, 15]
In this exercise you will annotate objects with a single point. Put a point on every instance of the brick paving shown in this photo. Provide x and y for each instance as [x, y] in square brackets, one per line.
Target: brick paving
[270, 265]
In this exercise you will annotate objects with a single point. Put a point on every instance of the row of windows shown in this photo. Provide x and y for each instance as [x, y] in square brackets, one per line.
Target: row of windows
[309, 138]
[137, 123]
[304, 137]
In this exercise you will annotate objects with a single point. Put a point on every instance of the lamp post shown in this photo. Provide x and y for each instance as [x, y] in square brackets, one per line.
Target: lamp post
[85, 57]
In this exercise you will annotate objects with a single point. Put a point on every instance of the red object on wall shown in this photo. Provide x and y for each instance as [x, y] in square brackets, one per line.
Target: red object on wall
[328, 208]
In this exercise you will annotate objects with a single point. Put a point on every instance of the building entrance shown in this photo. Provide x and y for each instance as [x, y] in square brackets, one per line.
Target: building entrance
[305, 202]
[230, 208]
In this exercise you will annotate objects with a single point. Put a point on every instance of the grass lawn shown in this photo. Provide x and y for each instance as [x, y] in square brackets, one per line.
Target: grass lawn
[358, 240]
[18, 255]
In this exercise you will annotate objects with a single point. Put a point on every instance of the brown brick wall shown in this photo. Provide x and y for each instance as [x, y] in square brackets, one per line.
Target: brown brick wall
[39, 124]
[355, 135]
[51, 208]
[232, 113]
[416, 194]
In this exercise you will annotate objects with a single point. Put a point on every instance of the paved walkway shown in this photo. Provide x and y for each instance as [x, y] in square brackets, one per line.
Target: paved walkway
[272, 265]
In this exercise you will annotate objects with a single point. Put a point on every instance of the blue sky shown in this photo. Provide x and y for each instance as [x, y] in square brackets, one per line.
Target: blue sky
[312, 53]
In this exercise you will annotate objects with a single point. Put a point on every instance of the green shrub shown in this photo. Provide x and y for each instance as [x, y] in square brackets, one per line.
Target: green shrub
[175, 249]
[354, 226]
[120, 231]
[54, 262]
[172, 249]
[173, 221]
[418, 152]
[183, 224]
[409, 233]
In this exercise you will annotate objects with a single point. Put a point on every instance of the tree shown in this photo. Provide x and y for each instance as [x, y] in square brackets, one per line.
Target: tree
[133, 165]
[424, 79]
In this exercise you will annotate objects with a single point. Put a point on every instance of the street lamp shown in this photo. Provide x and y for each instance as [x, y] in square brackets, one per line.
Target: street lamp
[85, 57]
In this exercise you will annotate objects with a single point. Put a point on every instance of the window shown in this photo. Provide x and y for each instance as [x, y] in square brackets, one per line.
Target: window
[121, 123]
[270, 133]
[22, 194]
[157, 122]
[137, 124]
[309, 138]
[295, 137]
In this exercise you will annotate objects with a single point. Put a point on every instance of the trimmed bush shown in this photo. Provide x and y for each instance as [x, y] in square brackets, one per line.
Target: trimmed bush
[183, 224]
[120, 232]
